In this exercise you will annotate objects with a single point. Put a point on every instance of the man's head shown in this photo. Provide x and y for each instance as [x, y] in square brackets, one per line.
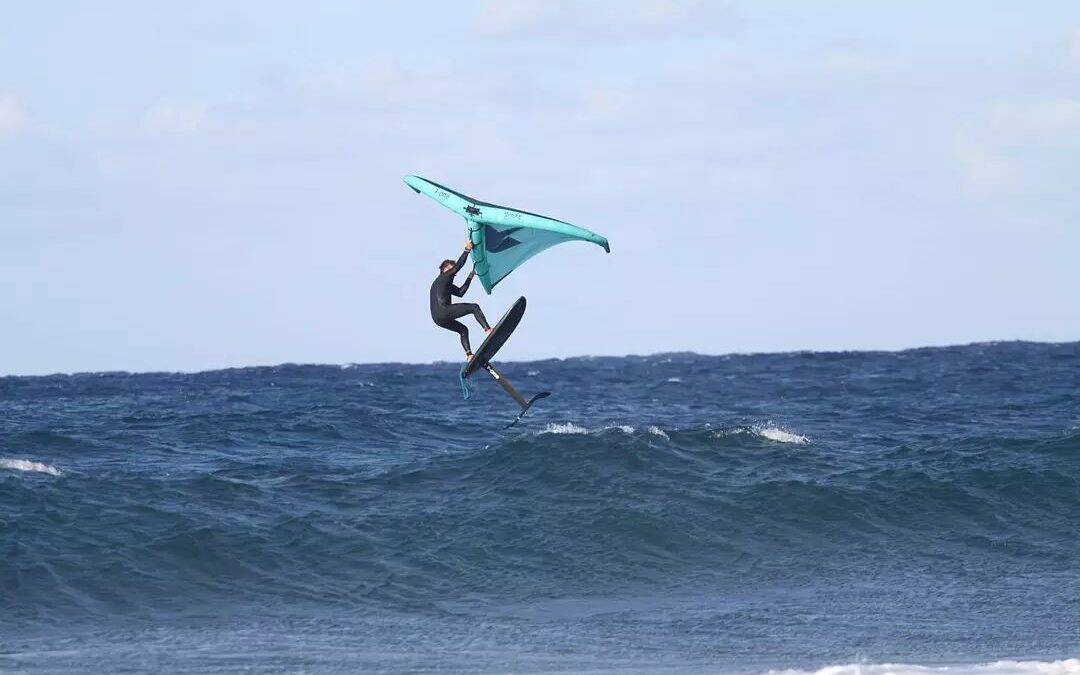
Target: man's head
[446, 266]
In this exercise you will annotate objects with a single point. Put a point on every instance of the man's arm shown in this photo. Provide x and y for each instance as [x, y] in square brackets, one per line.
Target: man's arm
[460, 291]
[463, 257]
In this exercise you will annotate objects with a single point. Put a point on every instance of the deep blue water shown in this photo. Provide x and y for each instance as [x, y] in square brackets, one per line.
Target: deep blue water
[673, 512]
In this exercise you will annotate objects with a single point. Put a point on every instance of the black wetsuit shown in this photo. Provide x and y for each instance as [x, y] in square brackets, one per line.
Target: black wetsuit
[445, 313]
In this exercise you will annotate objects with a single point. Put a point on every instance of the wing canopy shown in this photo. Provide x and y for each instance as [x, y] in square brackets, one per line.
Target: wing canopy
[503, 238]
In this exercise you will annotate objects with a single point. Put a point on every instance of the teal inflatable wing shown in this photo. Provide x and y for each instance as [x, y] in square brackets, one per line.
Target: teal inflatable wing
[503, 238]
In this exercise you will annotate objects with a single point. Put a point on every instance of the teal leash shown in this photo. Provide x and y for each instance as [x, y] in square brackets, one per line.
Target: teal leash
[465, 391]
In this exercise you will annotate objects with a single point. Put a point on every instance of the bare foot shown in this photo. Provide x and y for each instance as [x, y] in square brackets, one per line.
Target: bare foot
[468, 356]
[488, 330]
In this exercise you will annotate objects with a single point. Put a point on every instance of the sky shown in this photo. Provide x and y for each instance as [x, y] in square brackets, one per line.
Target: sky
[197, 185]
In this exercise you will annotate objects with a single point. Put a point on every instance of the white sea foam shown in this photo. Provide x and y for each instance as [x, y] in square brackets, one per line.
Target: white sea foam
[567, 428]
[766, 431]
[533, 373]
[779, 435]
[27, 465]
[1063, 667]
[571, 428]
[674, 379]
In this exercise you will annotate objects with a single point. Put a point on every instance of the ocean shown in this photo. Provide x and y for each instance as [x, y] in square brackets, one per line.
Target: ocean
[669, 513]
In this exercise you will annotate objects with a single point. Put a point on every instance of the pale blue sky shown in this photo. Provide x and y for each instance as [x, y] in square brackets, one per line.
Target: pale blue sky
[195, 185]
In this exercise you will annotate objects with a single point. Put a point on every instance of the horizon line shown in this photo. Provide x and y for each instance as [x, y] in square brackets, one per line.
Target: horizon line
[550, 358]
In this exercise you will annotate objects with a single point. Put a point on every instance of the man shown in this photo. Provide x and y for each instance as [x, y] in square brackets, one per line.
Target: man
[445, 313]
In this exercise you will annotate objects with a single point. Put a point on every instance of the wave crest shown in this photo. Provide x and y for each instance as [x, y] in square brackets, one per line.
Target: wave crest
[29, 465]
[769, 432]
[1062, 667]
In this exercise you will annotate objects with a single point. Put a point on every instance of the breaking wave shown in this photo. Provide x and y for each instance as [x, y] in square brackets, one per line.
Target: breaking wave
[28, 465]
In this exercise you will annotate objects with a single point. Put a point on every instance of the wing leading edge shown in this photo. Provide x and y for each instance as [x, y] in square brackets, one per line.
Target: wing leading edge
[503, 238]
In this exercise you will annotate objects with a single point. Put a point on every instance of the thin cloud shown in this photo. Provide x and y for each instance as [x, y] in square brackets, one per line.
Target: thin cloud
[1022, 147]
[612, 21]
[382, 84]
[606, 104]
[850, 63]
[987, 173]
[12, 115]
[177, 118]
[1050, 121]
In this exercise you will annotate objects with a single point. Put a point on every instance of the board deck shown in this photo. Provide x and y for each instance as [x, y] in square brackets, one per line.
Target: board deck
[497, 337]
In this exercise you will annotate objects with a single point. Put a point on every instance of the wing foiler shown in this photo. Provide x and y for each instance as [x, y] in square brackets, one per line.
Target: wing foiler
[503, 238]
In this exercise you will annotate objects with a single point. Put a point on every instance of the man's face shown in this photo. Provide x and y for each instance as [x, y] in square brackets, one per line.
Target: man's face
[446, 268]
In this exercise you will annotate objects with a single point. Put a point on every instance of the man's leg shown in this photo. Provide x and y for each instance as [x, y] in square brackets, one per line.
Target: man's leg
[461, 309]
[462, 332]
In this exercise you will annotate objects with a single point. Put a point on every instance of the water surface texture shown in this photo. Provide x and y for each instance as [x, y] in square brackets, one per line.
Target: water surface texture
[671, 513]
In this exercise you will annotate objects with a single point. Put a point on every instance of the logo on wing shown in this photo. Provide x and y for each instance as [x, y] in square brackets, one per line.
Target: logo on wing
[472, 210]
[496, 241]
